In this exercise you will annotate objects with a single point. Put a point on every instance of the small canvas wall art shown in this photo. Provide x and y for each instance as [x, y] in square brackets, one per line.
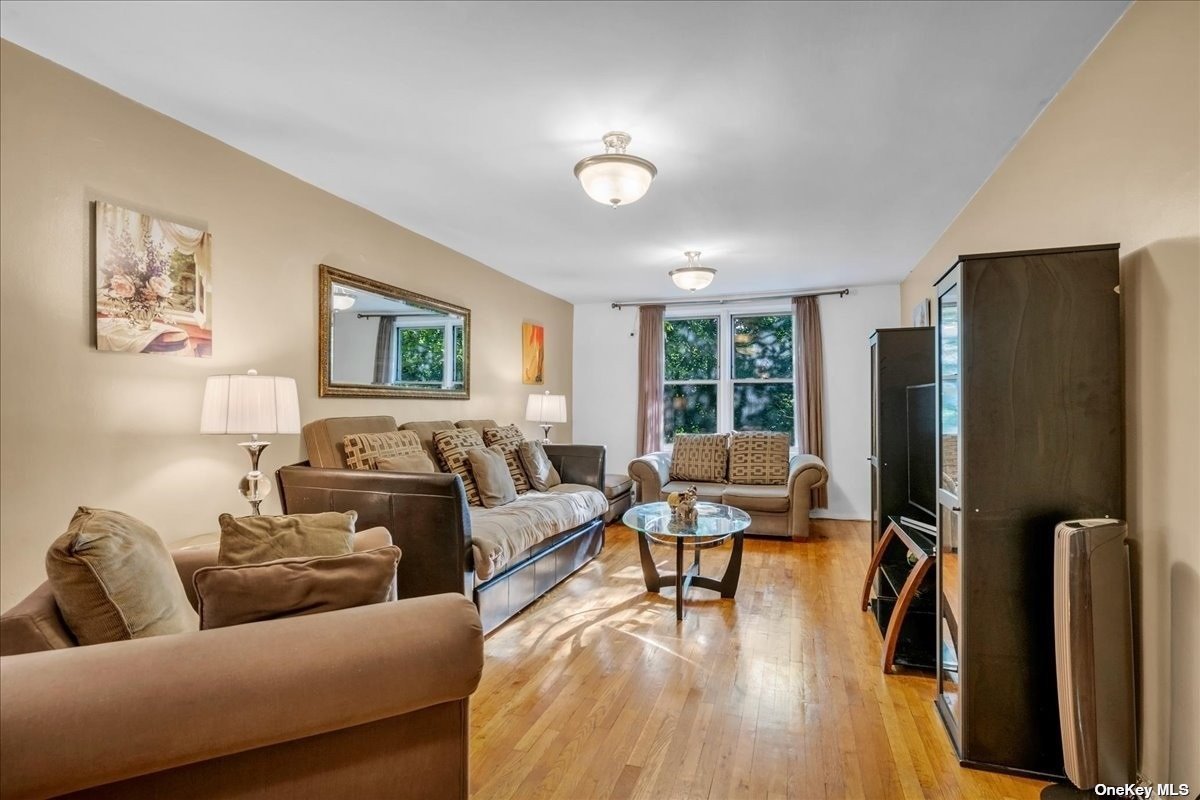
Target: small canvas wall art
[153, 285]
[532, 353]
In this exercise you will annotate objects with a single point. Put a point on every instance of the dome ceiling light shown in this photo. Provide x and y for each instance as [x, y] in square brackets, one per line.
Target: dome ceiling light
[692, 276]
[342, 300]
[614, 177]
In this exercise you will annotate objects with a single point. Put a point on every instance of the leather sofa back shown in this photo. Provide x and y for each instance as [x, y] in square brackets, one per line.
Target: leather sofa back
[323, 437]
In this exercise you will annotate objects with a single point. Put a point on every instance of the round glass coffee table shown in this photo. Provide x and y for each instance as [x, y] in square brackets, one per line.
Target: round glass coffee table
[716, 523]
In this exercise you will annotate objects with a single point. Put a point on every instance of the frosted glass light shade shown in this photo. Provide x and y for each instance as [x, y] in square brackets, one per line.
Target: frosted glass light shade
[250, 403]
[546, 408]
[693, 277]
[342, 301]
[614, 177]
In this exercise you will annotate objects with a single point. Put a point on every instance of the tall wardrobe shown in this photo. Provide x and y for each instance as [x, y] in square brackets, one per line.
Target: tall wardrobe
[1030, 433]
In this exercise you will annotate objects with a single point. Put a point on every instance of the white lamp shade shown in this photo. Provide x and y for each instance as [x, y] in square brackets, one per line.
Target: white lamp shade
[546, 408]
[250, 404]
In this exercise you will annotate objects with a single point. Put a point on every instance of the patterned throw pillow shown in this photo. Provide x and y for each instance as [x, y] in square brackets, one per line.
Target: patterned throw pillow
[363, 450]
[759, 458]
[700, 457]
[509, 439]
[452, 446]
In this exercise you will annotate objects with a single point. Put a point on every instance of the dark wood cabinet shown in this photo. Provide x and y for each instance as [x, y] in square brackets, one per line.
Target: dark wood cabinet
[1030, 433]
[903, 477]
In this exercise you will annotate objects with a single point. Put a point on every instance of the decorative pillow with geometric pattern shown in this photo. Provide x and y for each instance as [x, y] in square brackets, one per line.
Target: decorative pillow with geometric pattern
[452, 446]
[700, 457]
[759, 458]
[509, 439]
[363, 450]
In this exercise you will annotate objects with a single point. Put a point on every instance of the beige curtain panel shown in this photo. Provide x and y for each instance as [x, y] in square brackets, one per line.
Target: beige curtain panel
[385, 351]
[810, 378]
[650, 379]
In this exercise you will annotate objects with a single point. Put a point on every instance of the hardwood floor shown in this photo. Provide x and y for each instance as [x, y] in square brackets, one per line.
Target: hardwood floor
[596, 690]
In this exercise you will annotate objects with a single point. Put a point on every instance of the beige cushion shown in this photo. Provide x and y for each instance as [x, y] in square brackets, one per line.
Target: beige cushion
[616, 485]
[708, 492]
[413, 462]
[113, 579]
[363, 450]
[759, 458]
[490, 470]
[424, 432]
[509, 439]
[758, 498]
[700, 457]
[323, 438]
[477, 425]
[292, 587]
[452, 446]
[253, 540]
[542, 474]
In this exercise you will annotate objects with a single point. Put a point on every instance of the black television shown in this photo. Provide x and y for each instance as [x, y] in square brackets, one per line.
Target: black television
[922, 447]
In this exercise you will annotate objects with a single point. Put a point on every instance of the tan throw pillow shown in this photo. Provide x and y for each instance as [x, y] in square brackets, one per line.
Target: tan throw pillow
[542, 473]
[452, 446]
[700, 457]
[415, 462]
[292, 587]
[492, 477]
[509, 439]
[363, 450]
[253, 540]
[113, 579]
[759, 458]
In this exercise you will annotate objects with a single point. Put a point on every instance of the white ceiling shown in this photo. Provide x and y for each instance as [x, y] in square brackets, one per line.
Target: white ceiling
[799, 145]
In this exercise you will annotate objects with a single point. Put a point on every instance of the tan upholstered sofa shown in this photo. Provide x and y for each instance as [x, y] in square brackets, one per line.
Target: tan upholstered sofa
[364, 702]
[781, 510]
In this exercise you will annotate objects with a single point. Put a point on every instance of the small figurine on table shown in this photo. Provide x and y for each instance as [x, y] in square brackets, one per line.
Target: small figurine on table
[683, 507]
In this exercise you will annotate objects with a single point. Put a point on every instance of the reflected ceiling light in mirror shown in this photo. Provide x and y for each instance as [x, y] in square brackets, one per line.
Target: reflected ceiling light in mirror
[692, 276]
[342, 300]
[614, 177]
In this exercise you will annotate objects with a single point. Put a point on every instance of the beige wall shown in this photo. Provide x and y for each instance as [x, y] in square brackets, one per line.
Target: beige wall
[1114, 158]
[121, 431]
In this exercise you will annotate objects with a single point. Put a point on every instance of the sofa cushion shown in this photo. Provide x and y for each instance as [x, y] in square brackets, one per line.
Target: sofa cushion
[425, 432]
[452, 446]
[492, 477]
[757, 498]
[363, 450]
[477, 425]
[500, 534]
[324, 438]
[700, 457]
[293, 587]
[413, 462]
[539, 468]
[34, 624]
[113, 579]
[708, 492]
[253, 540]
[759, 458]
[616, 485]
[509, 439]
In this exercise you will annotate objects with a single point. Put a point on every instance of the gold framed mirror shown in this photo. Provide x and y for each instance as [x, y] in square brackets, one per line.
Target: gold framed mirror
[378, 340]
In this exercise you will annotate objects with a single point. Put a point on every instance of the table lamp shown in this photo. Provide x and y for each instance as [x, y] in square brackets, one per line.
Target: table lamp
[545, 409]
[252, 404]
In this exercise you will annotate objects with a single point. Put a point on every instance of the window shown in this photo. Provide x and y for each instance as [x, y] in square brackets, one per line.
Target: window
[727, 372]
[422, 358]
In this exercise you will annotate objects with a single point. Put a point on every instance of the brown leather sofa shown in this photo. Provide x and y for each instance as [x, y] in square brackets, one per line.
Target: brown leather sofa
[774, 510]
[365, 702]
[428, 516]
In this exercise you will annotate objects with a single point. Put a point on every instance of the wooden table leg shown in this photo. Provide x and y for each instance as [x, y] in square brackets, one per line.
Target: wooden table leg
[650, 575]
[903, 601]
[876, 560]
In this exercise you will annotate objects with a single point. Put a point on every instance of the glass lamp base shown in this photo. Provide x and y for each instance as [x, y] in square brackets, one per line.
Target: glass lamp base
[254, 486]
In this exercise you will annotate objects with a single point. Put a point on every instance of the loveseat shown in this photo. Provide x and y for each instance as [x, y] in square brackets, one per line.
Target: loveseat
[503, 558]
[779, 509]
[363, 702]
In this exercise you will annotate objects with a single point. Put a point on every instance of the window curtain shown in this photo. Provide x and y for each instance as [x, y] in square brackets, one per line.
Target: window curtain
[810, 380]
[385, 351]
[650, 379]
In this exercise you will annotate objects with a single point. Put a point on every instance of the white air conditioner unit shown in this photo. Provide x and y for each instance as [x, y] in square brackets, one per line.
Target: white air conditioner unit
[1093, 645]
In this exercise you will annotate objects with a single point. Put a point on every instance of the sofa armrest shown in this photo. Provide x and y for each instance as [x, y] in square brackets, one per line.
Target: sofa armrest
[579, 463]
[425, 513]
[651, 472]
[136, 707]
[807, 472]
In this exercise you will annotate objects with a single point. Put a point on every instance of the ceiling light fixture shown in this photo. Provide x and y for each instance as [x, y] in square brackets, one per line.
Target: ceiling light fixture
[692, 276]
[342, 300]
[614, 177]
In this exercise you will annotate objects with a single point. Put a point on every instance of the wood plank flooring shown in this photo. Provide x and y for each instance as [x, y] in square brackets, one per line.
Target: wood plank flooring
[596, 691]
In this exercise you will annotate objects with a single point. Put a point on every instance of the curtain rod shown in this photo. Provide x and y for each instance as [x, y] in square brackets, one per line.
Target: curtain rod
[717, 301]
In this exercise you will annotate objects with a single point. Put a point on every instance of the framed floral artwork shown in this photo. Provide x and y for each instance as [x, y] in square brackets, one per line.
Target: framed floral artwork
[153, 287]
[533, 354]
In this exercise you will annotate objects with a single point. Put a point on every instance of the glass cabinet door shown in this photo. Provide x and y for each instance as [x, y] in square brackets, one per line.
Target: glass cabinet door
[949, 519]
